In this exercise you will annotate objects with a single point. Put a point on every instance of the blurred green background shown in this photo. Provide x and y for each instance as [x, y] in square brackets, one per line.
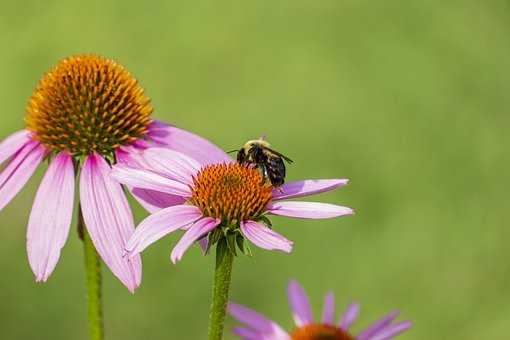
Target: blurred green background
[408, 99]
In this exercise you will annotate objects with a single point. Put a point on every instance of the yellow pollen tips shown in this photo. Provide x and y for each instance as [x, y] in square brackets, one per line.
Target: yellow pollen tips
[88, 103]
[320, 332]
[231, 192]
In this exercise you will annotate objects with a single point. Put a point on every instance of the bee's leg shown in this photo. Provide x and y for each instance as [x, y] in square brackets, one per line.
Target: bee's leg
[241, 156]
[264, 174]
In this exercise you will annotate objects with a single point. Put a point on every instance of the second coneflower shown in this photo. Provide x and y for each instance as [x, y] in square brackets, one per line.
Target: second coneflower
[258, 327]
[223, 203]
[86, 114]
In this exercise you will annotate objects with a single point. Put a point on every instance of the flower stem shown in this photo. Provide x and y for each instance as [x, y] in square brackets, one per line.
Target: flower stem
[93, 273]
[222, 277]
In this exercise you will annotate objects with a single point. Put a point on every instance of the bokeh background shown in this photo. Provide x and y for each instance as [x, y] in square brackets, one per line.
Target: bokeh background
[408, 99]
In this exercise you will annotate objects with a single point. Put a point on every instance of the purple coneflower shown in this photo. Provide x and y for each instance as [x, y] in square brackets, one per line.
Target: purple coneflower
[219, 199]
[86, 113]
[258, 327]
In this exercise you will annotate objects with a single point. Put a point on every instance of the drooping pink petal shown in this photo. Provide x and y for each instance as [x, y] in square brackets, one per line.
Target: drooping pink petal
[247, 334]
[390, 331]
[142, 144]
[50, 218]
[257, 322]
[313, 210]
[109, 220]
[172, 164]
[299, 305]
[349, 317]
[265, 238]
[151, 200]
[130, 156]
[307, 188]
[154, 201]
[328, 312]
[10, 145]
[377, 326]
[187, 143]
[19, 170]
[160, 224]
[203, 243]
[146, 179]
[200, 228]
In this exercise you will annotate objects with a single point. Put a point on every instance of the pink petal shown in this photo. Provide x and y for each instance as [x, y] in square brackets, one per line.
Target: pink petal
[151, 200]
[160, 224]
[146, 179]
[154, 201]
[172, 164]
[199, 229]
[51, 215]
[391, 331]
[312, 210]
[299, 305]
[203, 243]
[130, 156]
[19, 170]
[307, 188]
[377, 326]
[265, 238]
[108, 219]
[187, 143]
[10, 145]
[257, 322]
[248, 334]
[328, 312]
[349, 317]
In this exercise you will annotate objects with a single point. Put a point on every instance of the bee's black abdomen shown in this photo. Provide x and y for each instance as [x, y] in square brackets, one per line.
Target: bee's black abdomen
[275, 168]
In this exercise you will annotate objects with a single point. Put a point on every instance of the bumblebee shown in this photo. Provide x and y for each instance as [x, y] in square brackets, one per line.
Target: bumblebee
[268, 161]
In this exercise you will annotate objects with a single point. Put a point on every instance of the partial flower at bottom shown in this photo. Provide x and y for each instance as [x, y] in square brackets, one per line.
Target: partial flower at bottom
[258, 327]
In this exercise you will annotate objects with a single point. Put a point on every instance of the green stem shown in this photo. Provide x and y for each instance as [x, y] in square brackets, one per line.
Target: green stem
[93, 273]
[222, 277]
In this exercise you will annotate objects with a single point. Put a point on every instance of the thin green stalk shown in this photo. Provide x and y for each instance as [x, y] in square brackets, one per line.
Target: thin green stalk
[93, 273]
[222, 277]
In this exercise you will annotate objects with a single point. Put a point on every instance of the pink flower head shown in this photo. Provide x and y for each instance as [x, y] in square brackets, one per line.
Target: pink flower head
[258, 327]
[218, 201]
[86, 114]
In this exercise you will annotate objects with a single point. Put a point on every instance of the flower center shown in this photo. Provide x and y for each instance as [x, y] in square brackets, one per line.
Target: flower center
[231, 192]
[88, 103]
[320, 332]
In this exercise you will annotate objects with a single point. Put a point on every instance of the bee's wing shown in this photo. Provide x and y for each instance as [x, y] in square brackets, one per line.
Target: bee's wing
[280, 155]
